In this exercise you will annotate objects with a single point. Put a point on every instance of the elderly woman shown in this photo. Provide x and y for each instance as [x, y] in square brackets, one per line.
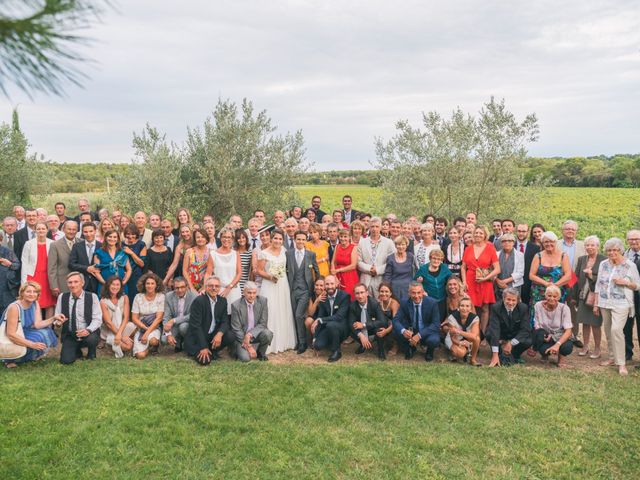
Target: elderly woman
[617, 279]
[400, 268]
[480, 267]
[37, 336]
[434, 276]
[584, 295]
[552, 326]
[549, 267]
[146, 313]
[426, 244]
[511, 266]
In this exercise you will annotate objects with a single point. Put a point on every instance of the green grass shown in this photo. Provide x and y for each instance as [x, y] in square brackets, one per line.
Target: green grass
[168, 418]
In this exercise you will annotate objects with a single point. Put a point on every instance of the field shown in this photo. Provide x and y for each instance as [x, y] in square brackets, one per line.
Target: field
[168, 418]
[599, 211]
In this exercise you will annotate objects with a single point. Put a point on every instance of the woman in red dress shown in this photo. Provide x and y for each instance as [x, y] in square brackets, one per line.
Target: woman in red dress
[344, 263]
[480, 266]
[34, 266]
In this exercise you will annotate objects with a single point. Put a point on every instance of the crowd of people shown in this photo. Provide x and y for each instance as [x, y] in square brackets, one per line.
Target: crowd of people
[309, 279]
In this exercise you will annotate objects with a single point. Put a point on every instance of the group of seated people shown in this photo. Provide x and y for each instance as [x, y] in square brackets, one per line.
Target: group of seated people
[384, 284]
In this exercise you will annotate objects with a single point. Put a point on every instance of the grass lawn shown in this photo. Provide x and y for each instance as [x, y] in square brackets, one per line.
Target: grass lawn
[168, 418]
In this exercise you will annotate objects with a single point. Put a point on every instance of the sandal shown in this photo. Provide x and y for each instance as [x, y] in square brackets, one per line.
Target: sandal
[584, 353]
[607, 363]
[595, 355]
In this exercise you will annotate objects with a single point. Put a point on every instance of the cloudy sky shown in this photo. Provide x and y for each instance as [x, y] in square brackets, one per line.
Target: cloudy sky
[344, 71]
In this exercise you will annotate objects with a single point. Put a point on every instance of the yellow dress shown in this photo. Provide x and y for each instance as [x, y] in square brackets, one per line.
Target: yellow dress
[322, 256]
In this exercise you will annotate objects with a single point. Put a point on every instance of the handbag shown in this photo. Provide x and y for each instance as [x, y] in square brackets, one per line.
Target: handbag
[590, 300]
[8, 349]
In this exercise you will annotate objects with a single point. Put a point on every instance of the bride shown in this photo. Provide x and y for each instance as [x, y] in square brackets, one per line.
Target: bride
[272, 267]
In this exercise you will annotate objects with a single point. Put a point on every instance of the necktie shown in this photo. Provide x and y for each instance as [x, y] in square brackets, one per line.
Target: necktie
[253, 244]
[10, 242]
[522, 248]
[635, 257]
[250, 319]
[299, 258]
[213, 317]
[74, 320]
[510, 313]
[363, 316]
[416, 320]
[90, 252]
[290, 242]
[32, 234]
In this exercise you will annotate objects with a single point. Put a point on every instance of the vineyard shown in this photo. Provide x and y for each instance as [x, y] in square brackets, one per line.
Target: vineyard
[599, 211]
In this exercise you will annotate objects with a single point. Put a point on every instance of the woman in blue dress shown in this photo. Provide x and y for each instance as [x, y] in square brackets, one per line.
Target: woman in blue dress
[136, 249]
[111, 260]
[38, 334]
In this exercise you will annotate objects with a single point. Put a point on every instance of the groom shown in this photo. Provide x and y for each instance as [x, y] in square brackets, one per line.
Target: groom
[332, 325]
[302, 270]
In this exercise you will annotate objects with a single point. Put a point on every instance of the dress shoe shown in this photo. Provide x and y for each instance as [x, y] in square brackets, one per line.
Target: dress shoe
[335, 356]
[408, 355]
[578, 343]
[215, 356]
[360, 350]
[428, 357]
[301, 348]
[263, 358]
[381, 355]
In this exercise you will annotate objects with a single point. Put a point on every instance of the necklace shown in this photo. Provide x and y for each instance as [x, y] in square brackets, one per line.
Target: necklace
[385, 307]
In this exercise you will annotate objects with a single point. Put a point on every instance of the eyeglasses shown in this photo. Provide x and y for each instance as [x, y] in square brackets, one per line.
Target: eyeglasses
[214, 286]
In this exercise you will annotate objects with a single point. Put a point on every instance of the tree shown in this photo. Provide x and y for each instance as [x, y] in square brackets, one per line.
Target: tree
[19, 173]
[37, 43]
[234, 164]
[459, 164]
[153, 181]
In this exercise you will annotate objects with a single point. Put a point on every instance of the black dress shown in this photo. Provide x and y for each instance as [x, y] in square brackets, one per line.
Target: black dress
[158, 263]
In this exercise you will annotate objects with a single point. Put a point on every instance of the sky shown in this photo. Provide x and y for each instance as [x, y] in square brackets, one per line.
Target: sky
[344, 72]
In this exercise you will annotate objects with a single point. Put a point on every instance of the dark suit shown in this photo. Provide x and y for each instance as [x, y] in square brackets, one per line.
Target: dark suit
[200, 318]
[354, 214]
[94, 217]
[428, 325]
[376, 319]
[333, 325]
[530, 251]
[301, 287]
[79, 262]
[628, 327]
[19, 239]
[261, 336]
[332, 250]
[505, 327]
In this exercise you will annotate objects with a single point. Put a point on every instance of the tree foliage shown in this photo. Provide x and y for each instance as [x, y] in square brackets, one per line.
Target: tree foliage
[20, 174]
[459, 164]
[38, 44]
[153, 181]
[233, 164]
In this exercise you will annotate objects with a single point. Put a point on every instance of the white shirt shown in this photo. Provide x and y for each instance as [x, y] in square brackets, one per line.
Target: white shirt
[212, 304]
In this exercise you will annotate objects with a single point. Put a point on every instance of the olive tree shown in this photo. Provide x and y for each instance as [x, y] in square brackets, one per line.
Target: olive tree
[458, 164]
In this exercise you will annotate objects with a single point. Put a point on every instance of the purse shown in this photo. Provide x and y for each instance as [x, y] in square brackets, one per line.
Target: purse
[590, 300]
[8, 349]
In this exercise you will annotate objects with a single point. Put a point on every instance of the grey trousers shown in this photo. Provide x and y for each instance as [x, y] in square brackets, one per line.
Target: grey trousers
[299, 304]
[260, 343]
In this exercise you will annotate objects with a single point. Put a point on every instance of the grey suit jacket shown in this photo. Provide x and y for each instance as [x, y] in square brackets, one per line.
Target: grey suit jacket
[239, 318]
[171, 307]
[310, 266]
[58, 265]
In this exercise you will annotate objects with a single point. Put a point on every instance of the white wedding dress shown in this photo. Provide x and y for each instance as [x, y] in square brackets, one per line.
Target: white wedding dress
[280, 320]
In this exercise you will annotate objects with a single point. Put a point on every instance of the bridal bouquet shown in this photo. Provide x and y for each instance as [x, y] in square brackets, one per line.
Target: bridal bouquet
[277, 270]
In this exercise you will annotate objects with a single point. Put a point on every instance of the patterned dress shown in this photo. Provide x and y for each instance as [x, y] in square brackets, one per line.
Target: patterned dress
[197, 268]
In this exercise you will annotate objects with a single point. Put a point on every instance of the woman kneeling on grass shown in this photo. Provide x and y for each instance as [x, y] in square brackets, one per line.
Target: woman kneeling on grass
[552, 326]
[38, 333]
[463, 333]
[116, 328]
[147, 313]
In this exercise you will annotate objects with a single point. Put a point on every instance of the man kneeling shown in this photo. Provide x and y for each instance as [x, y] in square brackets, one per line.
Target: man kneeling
[249, 325]
[208, 331]
[417, 322]
[367, 321]
[509, 332]
[82, 309]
